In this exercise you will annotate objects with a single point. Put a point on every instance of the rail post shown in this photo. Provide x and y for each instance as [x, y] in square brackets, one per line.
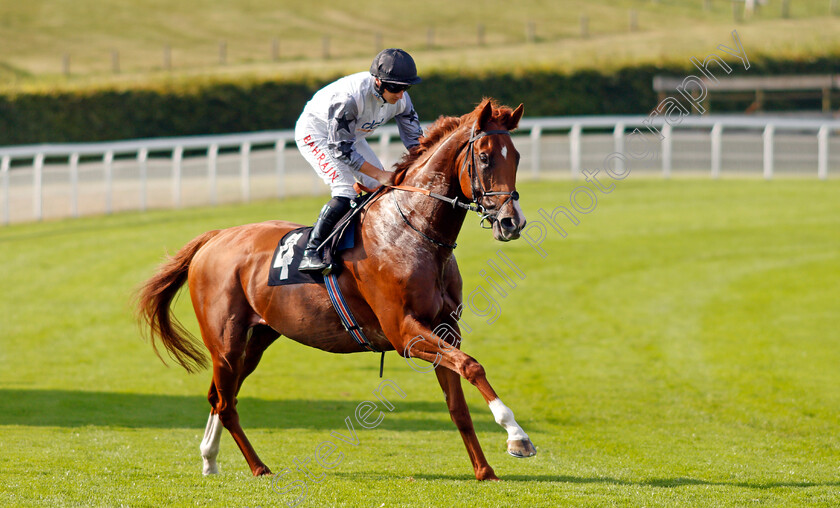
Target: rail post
[108, 160]
[245, 170]
[717, 145]
[822, 147]
[667, 150]
[38, 187]
[536, 134]
[280, 166]
[74, 184]
[618, 146]
[4, 171]
[212, 172]
[177, 158]
[574, 149]
[384, 150]
[142, 166]
[768, 136]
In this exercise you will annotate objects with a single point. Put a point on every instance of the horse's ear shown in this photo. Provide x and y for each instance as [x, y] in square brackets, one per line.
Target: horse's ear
[485, 115]
[515, 117]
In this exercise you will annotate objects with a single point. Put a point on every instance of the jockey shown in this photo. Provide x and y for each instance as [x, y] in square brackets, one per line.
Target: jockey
[331, 131]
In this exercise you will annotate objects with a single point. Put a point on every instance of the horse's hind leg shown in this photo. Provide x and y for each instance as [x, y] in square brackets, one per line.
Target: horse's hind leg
[210, 443]
[260, 338]
[225, 318]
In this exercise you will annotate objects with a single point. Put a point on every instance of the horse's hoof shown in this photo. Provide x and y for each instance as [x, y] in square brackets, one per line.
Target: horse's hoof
[262, 470]
[521, 448]
[208, 470]
[486, 475]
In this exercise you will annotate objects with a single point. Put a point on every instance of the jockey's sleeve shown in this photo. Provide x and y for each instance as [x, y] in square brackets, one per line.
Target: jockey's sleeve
[408, 124]
[341, 131]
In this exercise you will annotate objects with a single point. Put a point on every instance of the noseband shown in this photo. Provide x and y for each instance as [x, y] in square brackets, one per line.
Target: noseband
[477, 187]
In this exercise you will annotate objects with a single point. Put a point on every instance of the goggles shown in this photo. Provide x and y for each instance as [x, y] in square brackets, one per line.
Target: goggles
[395, 87]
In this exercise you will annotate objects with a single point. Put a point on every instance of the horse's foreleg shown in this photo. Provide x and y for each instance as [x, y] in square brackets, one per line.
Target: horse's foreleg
[450, 382]
[452, 358]
[518, 443]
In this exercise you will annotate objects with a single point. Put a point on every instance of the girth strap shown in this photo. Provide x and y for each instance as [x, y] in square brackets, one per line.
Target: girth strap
[347, 319]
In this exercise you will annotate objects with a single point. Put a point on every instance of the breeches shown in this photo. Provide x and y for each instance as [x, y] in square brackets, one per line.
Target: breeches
[339, 176]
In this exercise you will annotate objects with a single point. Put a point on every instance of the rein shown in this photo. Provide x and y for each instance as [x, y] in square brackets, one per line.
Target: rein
[478, 191]
[412, 226]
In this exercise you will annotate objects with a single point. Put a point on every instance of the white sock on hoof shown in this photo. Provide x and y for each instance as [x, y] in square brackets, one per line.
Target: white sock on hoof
[504, 417]
[210, 444]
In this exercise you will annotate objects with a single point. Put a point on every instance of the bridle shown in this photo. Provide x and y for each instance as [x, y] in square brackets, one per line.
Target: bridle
[477, 189]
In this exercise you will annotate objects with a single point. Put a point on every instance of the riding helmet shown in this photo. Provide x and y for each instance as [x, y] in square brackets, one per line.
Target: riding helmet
[395, 66]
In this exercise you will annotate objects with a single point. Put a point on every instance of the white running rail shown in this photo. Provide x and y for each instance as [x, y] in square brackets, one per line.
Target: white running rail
[73, 179]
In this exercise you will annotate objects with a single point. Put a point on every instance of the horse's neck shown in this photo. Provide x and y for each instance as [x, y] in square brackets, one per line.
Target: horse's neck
[439, 174]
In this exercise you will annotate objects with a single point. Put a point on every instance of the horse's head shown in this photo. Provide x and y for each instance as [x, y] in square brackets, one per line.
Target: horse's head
[488, 169]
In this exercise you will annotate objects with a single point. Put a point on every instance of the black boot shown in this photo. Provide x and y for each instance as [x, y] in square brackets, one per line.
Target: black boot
[327, 219]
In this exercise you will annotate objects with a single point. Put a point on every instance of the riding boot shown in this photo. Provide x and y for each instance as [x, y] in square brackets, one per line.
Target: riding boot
[330, 214]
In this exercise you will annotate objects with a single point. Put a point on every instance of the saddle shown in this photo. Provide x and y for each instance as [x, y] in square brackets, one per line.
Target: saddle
[289, 250]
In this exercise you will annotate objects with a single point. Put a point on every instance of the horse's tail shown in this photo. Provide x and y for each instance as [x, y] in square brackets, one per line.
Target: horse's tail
[153, 306]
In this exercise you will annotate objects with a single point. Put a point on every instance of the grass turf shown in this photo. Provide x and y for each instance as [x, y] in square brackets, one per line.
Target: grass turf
[677, 348]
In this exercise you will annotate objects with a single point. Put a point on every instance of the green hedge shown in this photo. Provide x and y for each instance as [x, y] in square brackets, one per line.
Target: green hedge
[248, 106]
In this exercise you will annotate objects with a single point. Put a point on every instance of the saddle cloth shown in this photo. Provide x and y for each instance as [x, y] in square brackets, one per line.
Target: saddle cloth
[289, 251]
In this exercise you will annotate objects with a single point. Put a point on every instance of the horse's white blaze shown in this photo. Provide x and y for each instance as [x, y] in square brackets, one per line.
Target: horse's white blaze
[504, 152]
[210, 444]
[504, 417]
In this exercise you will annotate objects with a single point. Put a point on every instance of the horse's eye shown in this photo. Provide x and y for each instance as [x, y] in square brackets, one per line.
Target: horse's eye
[483, 158]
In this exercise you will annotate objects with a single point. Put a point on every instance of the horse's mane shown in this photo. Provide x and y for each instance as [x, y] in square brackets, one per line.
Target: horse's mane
[444, 126]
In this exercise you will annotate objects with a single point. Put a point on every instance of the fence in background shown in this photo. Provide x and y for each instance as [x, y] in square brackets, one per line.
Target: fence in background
[51, 181]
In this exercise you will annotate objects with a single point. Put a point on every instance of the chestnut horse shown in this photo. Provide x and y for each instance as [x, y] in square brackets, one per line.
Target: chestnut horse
[401, 281]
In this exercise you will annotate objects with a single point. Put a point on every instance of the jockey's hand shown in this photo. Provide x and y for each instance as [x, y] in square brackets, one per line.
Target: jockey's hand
[385, 177]
[381, 176]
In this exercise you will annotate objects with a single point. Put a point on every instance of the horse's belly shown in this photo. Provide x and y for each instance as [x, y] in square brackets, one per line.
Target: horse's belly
[327, 340]
[304, 313]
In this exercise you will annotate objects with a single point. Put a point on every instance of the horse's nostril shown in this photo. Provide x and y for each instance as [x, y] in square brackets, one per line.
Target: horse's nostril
[507, 224]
